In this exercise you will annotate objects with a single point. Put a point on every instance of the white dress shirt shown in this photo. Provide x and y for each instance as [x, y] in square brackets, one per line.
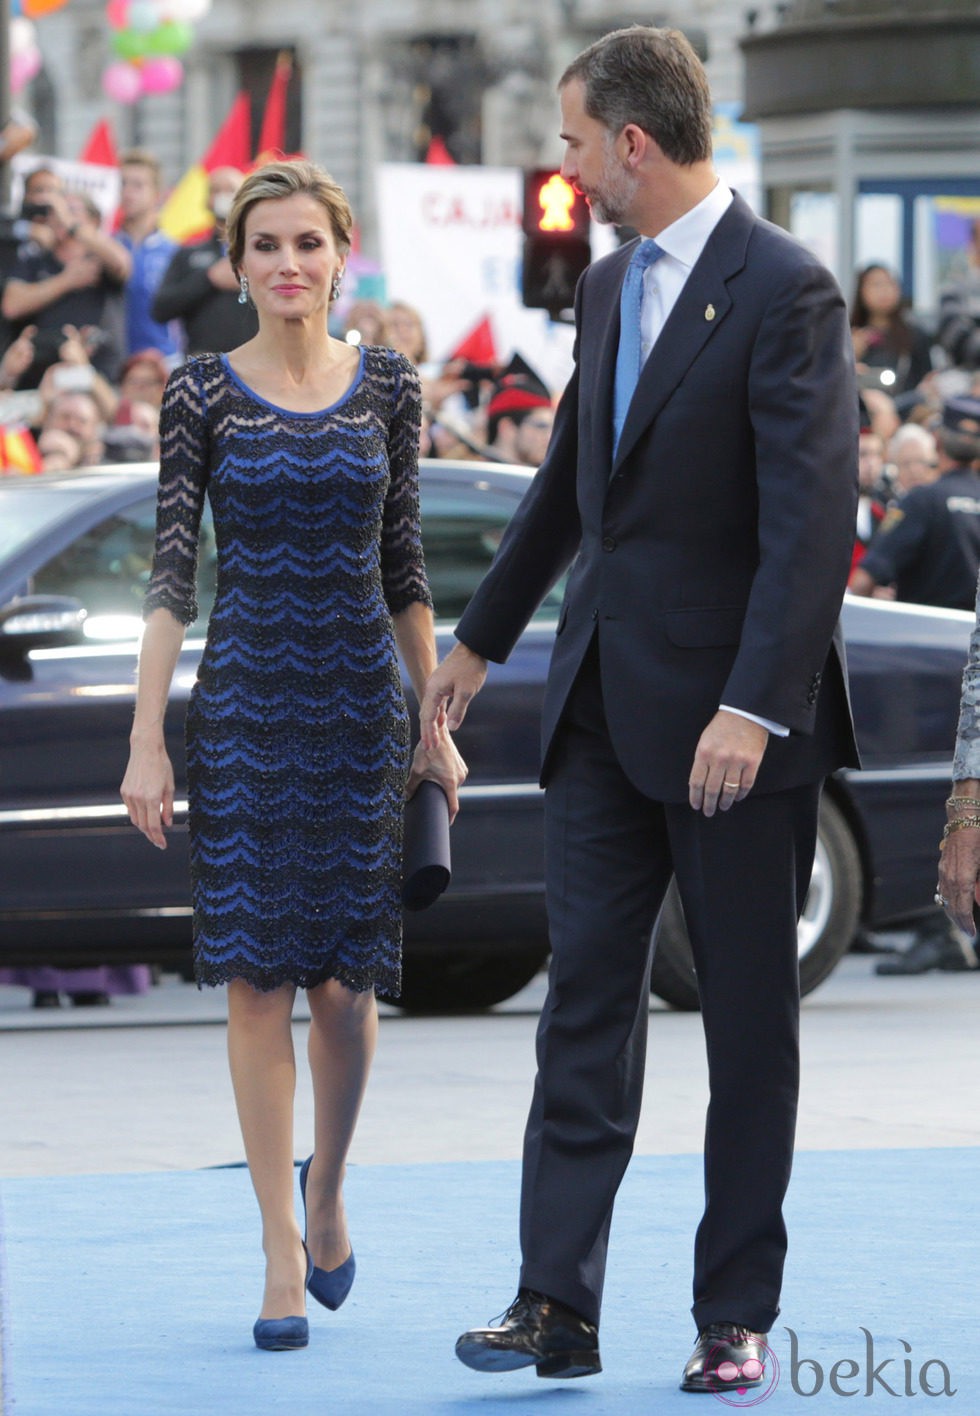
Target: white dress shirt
[682, 243]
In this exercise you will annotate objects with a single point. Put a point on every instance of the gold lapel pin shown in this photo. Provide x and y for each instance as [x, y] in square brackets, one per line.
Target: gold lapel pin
[709, 312]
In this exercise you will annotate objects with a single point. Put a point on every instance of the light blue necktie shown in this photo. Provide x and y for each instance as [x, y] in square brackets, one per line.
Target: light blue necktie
[630, 356]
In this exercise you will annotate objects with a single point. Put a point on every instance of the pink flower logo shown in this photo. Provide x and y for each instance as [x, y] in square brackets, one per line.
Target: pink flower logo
[730, 1382]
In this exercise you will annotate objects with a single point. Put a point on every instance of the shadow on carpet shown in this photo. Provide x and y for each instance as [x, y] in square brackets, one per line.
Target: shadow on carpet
[135, 1295]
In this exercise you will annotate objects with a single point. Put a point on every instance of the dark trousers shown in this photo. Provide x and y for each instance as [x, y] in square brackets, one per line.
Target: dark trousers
[743, 876]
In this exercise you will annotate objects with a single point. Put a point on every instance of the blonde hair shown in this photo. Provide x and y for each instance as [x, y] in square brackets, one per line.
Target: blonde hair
[277, 180]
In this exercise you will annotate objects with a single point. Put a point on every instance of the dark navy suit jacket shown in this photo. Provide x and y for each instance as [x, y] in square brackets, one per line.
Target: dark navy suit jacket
[712, 553]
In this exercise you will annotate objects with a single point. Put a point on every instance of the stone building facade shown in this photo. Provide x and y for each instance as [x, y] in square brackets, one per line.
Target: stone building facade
[372, 82]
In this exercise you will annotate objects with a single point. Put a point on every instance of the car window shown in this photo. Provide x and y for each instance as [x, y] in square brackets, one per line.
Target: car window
[108, 568]
[460, 535]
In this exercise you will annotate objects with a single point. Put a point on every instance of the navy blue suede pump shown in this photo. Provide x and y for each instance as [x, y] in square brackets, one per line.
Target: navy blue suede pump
[328, 1286]
[284, 1334]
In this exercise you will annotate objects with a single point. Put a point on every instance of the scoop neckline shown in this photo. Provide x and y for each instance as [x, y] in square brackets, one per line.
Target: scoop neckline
[296, 412]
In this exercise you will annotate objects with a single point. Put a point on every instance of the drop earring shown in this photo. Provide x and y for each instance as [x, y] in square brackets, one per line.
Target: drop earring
[335, 288]
[243, 293]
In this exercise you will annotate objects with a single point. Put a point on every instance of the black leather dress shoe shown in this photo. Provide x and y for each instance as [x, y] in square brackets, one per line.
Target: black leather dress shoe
[726, 1356]
[939, 946]
[535, 1330]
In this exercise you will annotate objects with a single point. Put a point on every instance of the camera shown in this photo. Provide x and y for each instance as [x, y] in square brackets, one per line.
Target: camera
[35, 211]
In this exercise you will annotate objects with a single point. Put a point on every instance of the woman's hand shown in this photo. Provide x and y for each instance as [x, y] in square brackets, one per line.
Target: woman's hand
[959, 855]
[441, 764]
[148, 788]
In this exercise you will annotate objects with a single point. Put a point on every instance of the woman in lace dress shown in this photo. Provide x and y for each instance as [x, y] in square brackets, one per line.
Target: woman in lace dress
[297, 729]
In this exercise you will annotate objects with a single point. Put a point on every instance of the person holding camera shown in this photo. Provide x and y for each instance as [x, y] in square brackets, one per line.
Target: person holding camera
[68, 272]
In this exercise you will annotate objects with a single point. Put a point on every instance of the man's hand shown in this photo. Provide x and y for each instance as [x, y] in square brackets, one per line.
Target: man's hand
[726, 762]
[448, 693]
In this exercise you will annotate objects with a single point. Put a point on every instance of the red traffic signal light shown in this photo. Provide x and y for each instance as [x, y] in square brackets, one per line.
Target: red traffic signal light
[552, 205]
[556, 241]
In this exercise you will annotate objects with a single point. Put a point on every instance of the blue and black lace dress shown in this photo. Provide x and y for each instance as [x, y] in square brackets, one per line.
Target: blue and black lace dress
[297, 728]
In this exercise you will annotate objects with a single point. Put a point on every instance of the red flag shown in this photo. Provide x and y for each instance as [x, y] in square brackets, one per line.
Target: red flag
[478, 346]
[100, 146]
[232, 146]
[438, 155]
[272, 138]
[185, 215]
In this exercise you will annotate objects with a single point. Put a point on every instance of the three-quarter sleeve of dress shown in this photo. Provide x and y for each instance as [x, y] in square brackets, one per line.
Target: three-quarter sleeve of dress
[180, 496]
[402, 562]
[966, 755]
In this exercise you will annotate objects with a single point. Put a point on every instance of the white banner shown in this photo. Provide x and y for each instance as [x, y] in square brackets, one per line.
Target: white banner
[451, 246]
[91, 178]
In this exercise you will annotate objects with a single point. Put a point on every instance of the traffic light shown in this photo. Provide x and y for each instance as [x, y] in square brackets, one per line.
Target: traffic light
[556, 241]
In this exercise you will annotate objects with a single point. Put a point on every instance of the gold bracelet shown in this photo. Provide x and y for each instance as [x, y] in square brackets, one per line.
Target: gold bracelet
[955, 801]
[961, 823]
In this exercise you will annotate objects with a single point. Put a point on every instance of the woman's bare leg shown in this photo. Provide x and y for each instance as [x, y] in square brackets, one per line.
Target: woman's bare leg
[343, 1035]
[263, 1073]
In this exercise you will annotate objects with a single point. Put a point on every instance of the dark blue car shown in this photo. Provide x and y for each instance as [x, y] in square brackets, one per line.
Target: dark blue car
[78, 884]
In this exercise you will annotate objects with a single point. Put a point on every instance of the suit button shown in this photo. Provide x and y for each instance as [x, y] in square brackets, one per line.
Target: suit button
[608, 543]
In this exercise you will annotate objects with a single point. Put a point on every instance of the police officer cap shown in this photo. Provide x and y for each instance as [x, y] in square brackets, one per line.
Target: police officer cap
[962, 415]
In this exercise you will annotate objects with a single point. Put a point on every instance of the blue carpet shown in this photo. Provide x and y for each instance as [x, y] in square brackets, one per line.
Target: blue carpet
[135, 1294]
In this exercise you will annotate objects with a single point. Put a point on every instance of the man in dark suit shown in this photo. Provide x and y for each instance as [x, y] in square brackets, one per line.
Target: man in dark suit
[702, 474]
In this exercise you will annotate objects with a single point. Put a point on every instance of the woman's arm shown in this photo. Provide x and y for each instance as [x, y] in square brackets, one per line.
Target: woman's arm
[148, 786]
[416, 640]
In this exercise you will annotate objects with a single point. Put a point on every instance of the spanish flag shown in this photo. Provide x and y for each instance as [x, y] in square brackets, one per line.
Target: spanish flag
[185, 215]
[18, 452]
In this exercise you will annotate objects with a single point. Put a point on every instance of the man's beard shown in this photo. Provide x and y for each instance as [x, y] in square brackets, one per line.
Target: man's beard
[612, 199]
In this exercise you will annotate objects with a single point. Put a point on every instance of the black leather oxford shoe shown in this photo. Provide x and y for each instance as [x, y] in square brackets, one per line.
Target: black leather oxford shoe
[535, 1330]
[726, 1356]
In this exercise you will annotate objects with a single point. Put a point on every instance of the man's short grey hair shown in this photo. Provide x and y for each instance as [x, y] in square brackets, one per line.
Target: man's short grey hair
[653, 78]
[912, 435]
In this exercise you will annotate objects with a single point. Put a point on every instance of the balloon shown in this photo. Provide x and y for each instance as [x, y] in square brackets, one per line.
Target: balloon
[23, 36]
[122, 83]
[144, 15]
[23, 68]
[187, 10]
[161, 74]
[130, 44]
[117, 14]
[172, 37]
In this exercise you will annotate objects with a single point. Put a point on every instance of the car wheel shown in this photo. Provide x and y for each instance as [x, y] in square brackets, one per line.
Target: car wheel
[827, 925]
[460, 981]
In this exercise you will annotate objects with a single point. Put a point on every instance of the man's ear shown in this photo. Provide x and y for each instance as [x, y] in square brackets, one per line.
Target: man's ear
[633, 144]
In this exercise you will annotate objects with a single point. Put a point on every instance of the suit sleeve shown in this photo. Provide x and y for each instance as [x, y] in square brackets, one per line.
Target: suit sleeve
[803, 407]
[540, 541]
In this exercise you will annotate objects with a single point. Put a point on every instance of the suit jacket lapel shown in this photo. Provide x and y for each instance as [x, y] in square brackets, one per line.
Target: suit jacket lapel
[701, 308]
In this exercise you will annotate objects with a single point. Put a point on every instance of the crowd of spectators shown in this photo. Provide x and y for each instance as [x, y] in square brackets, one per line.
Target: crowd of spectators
[96, 313]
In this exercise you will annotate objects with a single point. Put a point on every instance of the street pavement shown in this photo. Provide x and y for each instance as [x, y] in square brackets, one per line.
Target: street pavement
[143, 1085]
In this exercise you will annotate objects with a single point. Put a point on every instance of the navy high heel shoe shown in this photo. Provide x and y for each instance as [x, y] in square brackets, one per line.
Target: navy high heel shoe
[284, 1334]
[281, 1334]
[328, 1286]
